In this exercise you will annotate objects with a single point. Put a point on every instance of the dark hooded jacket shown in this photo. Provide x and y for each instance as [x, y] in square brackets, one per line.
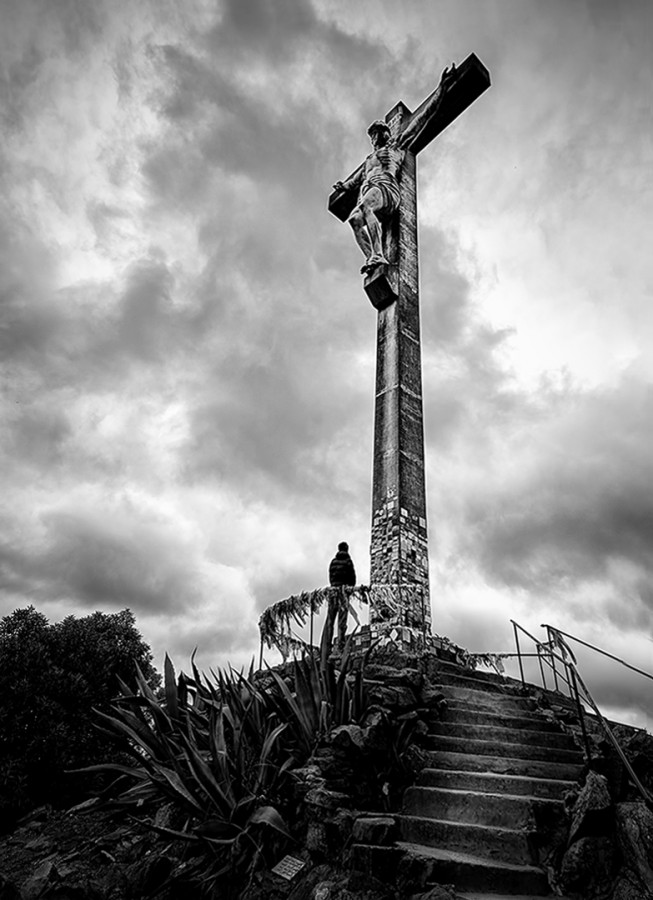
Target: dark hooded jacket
[341, 570]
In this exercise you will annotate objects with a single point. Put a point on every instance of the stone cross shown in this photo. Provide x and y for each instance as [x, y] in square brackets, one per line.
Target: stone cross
[379, 199]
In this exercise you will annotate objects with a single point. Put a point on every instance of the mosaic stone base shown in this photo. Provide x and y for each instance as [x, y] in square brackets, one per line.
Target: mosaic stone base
[399, 572]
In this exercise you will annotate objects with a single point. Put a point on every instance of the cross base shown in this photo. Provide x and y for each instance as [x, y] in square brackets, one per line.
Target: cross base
[381, 286]
[389, 636]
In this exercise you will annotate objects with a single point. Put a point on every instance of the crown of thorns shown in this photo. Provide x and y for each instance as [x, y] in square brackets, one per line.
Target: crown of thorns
[378, 125]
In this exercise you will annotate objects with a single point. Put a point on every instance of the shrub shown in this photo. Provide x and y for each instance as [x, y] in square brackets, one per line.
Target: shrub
[51, 677]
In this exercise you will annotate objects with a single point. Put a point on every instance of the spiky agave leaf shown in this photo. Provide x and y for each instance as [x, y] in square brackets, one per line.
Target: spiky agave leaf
[170, 683]
[268, 815]
[296, 714]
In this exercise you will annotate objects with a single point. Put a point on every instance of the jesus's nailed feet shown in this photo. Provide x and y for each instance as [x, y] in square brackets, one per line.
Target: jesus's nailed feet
[373, 263]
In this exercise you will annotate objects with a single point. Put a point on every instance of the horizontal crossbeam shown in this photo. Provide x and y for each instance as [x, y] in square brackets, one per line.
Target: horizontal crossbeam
[470, 81]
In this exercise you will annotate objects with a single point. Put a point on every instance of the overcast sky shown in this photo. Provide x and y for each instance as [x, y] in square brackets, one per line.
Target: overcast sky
[187, 356]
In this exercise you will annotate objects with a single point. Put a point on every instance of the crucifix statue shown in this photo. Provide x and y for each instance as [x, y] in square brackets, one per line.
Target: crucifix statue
[376, 181]
[379, 201]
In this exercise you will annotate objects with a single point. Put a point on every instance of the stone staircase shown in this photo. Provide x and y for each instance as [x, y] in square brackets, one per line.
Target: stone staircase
[496, 774]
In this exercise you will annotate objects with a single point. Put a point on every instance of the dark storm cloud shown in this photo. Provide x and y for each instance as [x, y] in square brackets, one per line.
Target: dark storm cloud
[28, 315]
[280, 31]
[93, 559]
[587, 503]
[268, 420]
[270, 29]
[90, 336]
[39, 434]
[463, 375]
[215, 642]
[270, 130]
[146, 322]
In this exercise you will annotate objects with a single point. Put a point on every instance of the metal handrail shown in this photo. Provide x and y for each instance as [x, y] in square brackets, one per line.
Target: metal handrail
[574, 680]
[573, 637]
[541, 658]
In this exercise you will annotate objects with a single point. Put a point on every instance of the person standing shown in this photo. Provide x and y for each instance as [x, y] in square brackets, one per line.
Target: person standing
[341, 574]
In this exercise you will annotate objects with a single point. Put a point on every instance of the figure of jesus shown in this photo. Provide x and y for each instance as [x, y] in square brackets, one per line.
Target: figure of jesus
[377, 181]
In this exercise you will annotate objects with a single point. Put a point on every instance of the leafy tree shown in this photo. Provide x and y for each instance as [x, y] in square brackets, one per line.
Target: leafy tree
[51, 678]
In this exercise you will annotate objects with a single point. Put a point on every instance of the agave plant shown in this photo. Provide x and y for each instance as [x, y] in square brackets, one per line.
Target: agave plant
[215, 751]
[323, 697]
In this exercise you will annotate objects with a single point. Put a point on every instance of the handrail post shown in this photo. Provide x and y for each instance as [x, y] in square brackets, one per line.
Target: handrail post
[539, 659]
[553, 664]
[581, 715]
[521, 667]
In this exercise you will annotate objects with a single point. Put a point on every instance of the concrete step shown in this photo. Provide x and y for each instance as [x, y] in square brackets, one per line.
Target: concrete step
[491, 732]
[491, 783]
[503, 844]
[456, 669]
[465, 895]
[478, 682]
[502, 765]
[462, 713]
[507, 702]
[477, 747]
[467, 871]
[474, 808]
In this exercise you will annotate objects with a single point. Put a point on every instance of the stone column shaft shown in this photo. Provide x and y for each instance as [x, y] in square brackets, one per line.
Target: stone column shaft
[399, 552]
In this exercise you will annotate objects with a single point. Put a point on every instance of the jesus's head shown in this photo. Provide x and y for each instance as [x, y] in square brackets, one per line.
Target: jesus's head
[379, 133]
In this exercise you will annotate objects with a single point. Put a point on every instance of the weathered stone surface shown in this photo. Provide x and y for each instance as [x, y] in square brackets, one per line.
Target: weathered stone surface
[316, 839]
[307, 778]
[432, 698]
[392, 697]
[390, 675]
[638, 746]
[592, 810]
[588, 868]
[326, 799]
[626, 888]
[348, 737]
[8, 890]
[326, 882]
[43, 876]
[379, 830]
[438, 892]
[635, 840]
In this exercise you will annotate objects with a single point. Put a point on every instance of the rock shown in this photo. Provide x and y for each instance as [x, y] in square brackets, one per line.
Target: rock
[588, 868]
[348, 737]
[627, 889]
[366, 887]
[405, 676]
[639, 750]
[43, 876]
[8, 890]
[592, 810]
[165, 816]
[150, 874]
[316, 839]
[320, 877]
[339, 827]
[635, 840]
[393, 697]
[432, 698]
[438, 892]
[329, 800]
[378, 830]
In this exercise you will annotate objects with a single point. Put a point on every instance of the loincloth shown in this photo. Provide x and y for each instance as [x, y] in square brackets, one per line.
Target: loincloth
[389, 192]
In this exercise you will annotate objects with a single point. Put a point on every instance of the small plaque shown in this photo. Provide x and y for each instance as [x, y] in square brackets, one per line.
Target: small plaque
[288, 867]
